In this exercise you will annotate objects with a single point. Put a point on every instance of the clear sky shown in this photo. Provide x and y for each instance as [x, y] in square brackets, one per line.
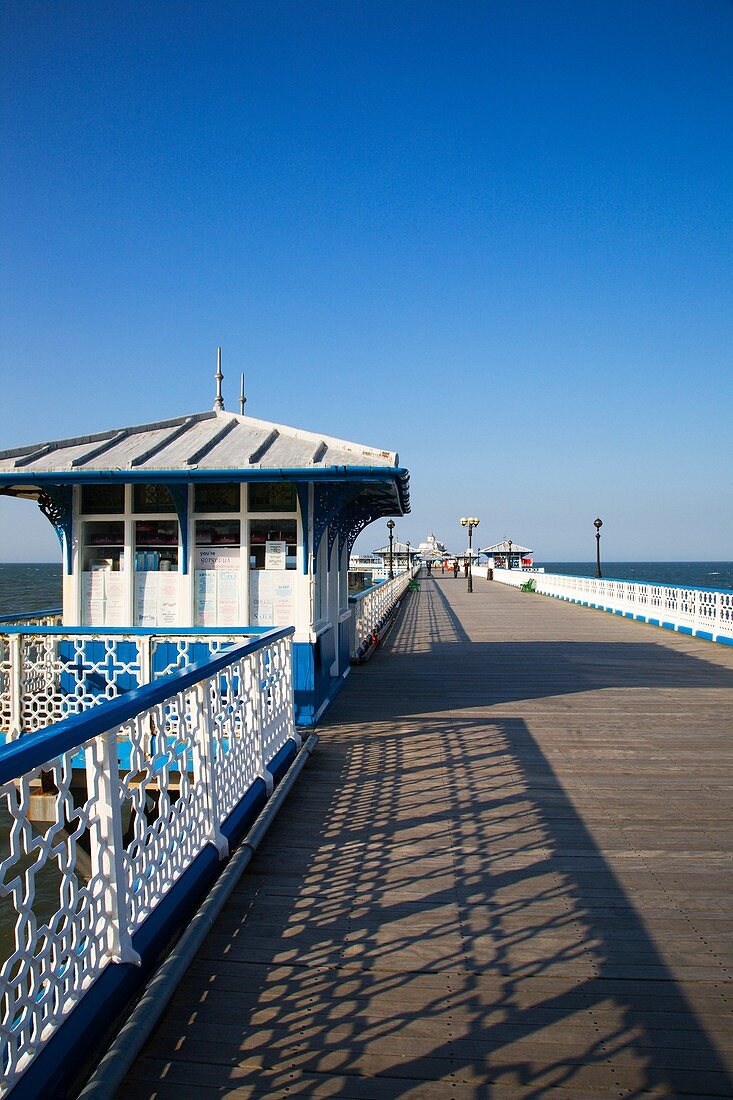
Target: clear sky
[494, 236]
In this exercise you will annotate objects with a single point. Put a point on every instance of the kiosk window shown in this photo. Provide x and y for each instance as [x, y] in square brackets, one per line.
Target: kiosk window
[217, 532]
[102, 500]
[271, 496]
[275, 531]
[152, 498]
[216, 498]
[103, 546]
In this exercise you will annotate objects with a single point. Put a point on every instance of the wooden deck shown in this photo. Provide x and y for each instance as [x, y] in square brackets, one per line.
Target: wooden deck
[506, 872]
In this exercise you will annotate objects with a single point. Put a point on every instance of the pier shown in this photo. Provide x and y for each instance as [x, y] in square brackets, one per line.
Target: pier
[505, 872]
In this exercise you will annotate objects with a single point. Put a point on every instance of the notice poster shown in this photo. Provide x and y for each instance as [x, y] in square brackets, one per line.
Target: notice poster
[272, 598]
[217, 585]
[167, 599]
[146, 599]
[227, 597]
[205, 597]
[275, 554]
[284, 610]
[93, 598]
[114, 591]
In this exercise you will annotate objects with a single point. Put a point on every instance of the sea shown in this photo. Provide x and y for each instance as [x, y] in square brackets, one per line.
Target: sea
[33, 587]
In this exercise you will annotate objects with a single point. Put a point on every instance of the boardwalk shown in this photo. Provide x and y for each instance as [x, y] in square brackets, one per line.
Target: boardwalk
[506, 872]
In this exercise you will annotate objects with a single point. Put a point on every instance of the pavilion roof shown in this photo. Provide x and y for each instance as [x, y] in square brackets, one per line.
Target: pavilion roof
[206, 446]
[504, 547]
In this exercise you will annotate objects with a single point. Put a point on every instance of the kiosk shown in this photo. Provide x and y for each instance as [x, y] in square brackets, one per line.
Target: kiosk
[209, 521]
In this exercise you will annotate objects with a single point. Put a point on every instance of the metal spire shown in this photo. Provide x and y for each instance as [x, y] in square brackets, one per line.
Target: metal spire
[218, 400]
[242, 398]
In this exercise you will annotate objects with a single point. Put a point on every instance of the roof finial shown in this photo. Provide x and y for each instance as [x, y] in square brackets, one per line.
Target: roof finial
[242, 398]
[218, 400]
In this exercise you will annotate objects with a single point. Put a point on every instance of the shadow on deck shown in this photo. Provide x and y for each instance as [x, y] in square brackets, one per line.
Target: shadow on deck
[462, 900]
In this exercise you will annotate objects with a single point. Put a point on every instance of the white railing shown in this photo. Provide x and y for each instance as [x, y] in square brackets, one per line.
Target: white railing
[704, 612]
[51, 617]
[49, 674]
[132, 792]
[372, 608]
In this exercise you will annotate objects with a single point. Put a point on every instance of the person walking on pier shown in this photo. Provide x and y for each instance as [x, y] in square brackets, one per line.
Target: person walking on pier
[455, 568]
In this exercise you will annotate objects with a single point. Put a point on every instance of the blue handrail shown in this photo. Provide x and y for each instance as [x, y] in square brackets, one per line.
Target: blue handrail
[134, 631]
[22, 615]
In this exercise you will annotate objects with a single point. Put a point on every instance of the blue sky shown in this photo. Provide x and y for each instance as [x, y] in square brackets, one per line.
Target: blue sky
[495, 237]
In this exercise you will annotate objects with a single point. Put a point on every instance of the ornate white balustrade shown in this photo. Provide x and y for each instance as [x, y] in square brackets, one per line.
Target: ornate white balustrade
[704, 612]
[133, 792]
[48, 674]
[372, 608]
[51, 617]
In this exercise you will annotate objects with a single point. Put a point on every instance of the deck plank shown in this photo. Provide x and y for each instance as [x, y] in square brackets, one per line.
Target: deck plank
[506, 872]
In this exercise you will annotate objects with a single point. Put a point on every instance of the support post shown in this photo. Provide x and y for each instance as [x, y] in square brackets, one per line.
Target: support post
[107, 844]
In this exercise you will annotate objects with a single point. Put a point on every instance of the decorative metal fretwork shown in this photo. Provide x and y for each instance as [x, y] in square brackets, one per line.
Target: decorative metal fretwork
[329, 501]
[55, 501]
[99, 834]
[46, 677]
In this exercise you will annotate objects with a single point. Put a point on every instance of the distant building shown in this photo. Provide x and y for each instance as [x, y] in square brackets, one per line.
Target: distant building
[432, 549]
[508, 555]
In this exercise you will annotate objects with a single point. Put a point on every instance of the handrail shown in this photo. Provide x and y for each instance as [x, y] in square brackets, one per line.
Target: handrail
[27, 617]
[34, 749]
[134, 631]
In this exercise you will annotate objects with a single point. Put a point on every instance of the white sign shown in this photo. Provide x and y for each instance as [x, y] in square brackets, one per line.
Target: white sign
[275, 554]
[93, 598]
[218, 557]
[272, 599]
[115, 599]
[206, 597]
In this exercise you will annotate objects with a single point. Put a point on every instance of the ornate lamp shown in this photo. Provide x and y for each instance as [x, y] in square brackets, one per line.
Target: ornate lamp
[598, 523]
[470, 522]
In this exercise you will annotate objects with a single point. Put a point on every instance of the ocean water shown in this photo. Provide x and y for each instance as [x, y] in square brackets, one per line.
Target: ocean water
[29, 588]
[698, 574]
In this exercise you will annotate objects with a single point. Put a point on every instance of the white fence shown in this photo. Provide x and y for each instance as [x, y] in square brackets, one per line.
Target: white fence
[372, 608]
[133, 791]
[49, 673]
[704, 612]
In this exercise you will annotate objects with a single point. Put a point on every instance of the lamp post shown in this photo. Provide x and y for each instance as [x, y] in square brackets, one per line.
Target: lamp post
[598, 523]
[509, 558]
[407, 544]
[390, 528]
[470, 522]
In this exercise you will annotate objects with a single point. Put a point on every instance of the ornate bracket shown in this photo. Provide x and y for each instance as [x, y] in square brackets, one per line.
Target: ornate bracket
[355, 519]
[329, 503]
[179, 495]
[55, 501]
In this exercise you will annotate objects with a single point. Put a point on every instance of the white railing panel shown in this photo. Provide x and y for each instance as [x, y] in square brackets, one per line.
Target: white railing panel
[373, 608]
[62, 932]
[98, 834]
[700, 611]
